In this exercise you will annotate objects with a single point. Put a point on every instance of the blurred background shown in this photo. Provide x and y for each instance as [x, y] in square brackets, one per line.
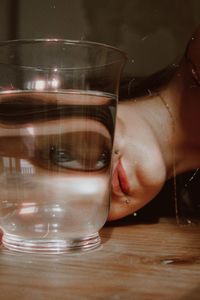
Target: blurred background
[154, 33]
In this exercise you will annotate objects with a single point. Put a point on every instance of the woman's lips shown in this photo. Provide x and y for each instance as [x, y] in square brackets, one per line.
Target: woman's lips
[120, 185]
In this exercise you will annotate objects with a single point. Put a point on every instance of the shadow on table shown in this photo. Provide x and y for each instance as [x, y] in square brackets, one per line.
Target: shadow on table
[133, 220]
[146, 215]
[163, 205]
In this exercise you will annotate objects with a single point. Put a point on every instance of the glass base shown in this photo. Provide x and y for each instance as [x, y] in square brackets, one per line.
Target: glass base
[51, 246]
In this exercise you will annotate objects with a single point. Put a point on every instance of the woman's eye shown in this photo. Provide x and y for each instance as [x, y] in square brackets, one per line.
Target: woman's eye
[62, 158]
[65, 159]
[59, 155]
[103, 160]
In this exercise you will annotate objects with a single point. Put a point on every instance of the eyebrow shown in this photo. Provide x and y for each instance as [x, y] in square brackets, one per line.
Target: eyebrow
[22, 109]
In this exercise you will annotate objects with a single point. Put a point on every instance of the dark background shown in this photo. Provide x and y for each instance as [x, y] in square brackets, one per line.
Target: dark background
[154, 33]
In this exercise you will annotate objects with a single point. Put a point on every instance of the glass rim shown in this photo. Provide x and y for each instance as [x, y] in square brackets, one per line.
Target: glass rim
[122, 54]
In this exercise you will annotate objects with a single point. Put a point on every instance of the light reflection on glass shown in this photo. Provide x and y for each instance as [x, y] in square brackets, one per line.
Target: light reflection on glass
[11, 164]
[42, 84]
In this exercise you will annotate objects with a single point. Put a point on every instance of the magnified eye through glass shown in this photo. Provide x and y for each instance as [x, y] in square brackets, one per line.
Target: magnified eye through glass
[67, 160]
[75, 147]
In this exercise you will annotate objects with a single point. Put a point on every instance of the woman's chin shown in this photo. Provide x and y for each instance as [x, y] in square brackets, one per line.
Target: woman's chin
[120, 207]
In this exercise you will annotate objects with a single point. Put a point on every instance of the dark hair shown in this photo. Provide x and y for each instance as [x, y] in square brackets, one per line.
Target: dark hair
[133, 87]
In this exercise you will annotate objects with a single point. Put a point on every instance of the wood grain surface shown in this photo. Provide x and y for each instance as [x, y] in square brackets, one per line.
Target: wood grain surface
[135, 261]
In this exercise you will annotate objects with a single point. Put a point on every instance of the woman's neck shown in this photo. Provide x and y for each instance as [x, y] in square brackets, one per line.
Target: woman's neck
[181, 99]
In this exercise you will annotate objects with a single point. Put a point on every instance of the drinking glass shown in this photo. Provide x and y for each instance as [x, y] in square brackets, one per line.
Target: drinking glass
[58, 101]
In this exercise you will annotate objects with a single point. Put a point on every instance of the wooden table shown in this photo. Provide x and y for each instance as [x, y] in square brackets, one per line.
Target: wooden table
[136, 261]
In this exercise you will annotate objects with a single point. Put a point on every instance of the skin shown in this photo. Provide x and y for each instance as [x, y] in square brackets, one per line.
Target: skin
[156, 137]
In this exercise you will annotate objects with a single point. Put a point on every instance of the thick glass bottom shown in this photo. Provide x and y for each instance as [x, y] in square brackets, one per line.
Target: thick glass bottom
[44, 246]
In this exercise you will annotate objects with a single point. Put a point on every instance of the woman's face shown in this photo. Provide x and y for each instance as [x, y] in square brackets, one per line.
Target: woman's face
[139, 170]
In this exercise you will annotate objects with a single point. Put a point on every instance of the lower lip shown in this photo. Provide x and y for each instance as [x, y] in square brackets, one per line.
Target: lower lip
[120, 183]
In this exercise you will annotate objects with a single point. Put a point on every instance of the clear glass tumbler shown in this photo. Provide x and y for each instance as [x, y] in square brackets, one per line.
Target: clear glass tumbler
[58, 101]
